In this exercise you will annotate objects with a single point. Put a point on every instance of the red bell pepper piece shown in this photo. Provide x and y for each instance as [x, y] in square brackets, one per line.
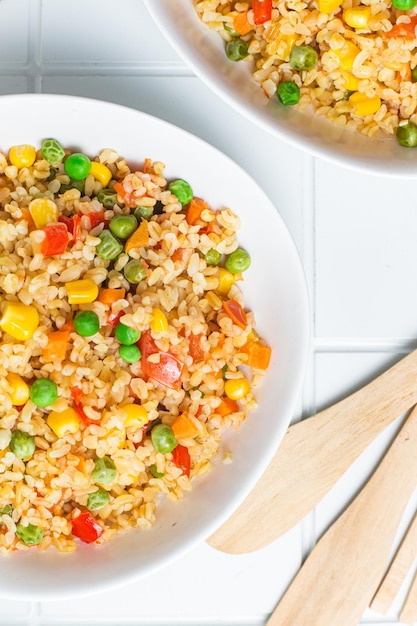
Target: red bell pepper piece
[96, 218]
[126, 195]
[181, 458]
[73, 225]
[86, 527]
[167, 371]
[114, 318]
[195, 347]
[77, 394]
[262, 11]
[235, 312]
[56, 239]
[403, 30]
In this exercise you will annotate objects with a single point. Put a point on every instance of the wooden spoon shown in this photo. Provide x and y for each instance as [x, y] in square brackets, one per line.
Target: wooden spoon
[313, 456]
[342, 573]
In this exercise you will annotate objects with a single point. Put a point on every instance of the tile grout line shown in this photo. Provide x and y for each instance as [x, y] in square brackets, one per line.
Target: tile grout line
[308, 258]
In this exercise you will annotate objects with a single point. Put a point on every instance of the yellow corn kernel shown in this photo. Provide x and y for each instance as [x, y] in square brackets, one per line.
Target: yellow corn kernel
[82, 291]
[226, 280]
[347, 54]
[19, 320]
[101, 173]
[236, 388]
[362, 105]
[283, 46]
[136, 416]
[64, 422]
[159, 321]
[328, 6]
[20, 390]
[357, 17]
[22, 156]
[350, 81]
[43, 212]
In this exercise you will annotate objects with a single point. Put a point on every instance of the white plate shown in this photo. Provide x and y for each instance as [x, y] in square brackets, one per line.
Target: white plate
[203, 50]
[274, 288]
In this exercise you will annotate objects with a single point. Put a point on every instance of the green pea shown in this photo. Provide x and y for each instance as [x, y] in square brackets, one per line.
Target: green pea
[73, 184]
[163, 438]
[109, 248]
[155, 472]
[126, 335]
[303, 58]
[182, 190]
[107, 197]
[97, 500]
[404, 5]
[414, 74]
[288, 92]
[143, 212]
[6, 510]
[104, 471]
[123, 225]
[237, 50]
[130, 354]
[52, 151]
[22, 444]
[212, 257]
[30, 535]
[238, 261]
[43, 392]
[77, 166]
[134, 271]
[407, 134]
[86, 323]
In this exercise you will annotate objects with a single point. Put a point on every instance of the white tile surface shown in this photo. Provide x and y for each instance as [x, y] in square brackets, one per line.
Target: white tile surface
[357, 239]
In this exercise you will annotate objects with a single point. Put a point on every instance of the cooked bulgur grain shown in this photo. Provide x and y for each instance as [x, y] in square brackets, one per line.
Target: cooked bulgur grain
[114, 348]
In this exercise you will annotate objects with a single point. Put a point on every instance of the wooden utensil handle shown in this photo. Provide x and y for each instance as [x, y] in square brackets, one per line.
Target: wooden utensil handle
[340, 576]
[313, 455]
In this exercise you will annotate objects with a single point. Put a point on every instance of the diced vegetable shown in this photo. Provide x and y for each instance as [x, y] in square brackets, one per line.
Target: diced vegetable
[96, 218]
[235, 312]
[159, 322]
[303, 58]
[30, 535]
[100, 172]
[259, 355]
[57, 345]
[22, 444]
[43, 392]
[237, 50]
[288, 92]
[126, 335]
[86, 323]
[20, 389]
[168, 370]
[358, 17]
[97, 500]
[241, 23]
[104, 471]
[237, 261]
[184, 428]
[195, 208]
[108, 248]
[82, 291]
[136, 416]
[404, 30]
[19, 320]
[77, 394]
[77, 166]
[134, 271]
[123, 226]
[56, 240]
[86, 527]
[262, 11]
[182, 190]
[139, 239]
[63, 422]
[227, 406]
[22, 156]
[130, 354]
[43, 212]
[52, 151]
[195, 346]
[181, 458]
[236, 388]
[163, 438]
[110, 296]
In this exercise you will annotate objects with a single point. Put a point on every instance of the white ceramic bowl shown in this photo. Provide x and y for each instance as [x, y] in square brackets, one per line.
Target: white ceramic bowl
[203, 50]
[274, 288]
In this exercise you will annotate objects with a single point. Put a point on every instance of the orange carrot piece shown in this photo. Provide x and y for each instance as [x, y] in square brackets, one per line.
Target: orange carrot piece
[195, 208]
[241, 24]
[184, 427]
[109, 296]
[403, 30]
[235, 312]
[195, 346]
[227, 406]
[68, 326]
[182, 254]
[56, 347]
[259, 355]
[26, 216]
[140, 237]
